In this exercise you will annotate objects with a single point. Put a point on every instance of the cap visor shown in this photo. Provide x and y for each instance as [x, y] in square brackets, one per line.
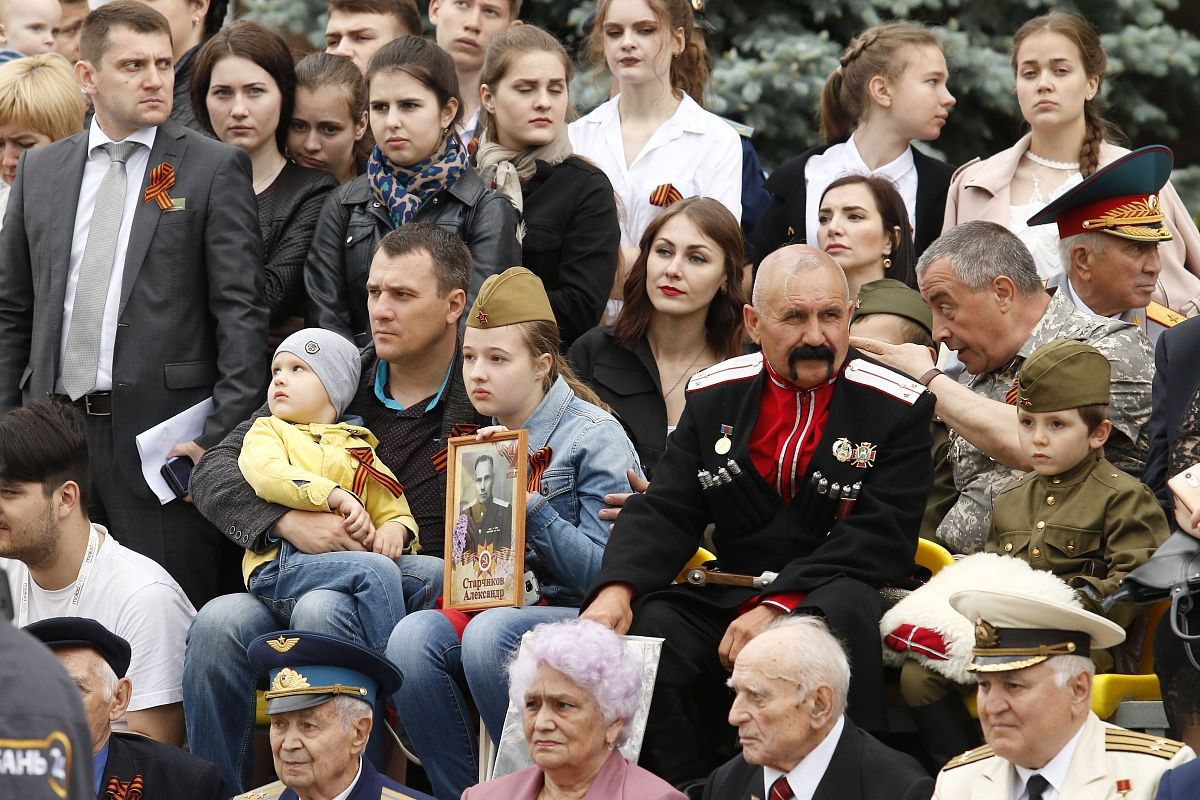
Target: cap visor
[296, 702]
[1003, 663]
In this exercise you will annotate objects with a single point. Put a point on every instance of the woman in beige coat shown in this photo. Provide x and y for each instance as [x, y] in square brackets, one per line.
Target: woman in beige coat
[1059, 65]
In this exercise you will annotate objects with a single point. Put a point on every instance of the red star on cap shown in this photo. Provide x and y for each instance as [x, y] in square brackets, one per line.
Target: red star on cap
[482, 317]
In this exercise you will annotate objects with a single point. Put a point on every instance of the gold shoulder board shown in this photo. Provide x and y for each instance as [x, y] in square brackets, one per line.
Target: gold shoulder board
[969, 757]
[1163, 315]
[392, 794]
[1126, 741]
[271, 791]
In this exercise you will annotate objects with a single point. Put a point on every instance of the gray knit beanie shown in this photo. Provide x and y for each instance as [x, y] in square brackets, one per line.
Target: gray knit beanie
[332, 357]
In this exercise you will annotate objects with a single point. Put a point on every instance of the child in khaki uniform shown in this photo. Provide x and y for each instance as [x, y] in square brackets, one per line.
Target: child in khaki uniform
[1074, 515]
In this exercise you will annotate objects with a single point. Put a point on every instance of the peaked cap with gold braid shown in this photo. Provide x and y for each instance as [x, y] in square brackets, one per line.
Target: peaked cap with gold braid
[307, 669]
[1120, 199]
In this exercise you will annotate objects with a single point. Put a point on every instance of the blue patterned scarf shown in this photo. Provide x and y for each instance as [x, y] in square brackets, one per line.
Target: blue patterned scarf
[403, 190]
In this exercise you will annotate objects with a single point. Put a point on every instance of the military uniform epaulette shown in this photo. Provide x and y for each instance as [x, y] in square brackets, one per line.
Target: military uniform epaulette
[970, 757]
[271, 791]
[392, 794]
[733, 369]
[1164, 316]
[1127, 741]
[885, 380]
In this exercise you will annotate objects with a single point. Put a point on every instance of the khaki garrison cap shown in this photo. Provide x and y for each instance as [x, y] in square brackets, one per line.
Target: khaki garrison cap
[515, 295]
[1063, 374]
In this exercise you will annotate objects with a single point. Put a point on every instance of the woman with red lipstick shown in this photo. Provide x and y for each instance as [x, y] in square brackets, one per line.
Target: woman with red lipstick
[571, 234]
[329, 119]
[242, 90]
[653, 139]
[682, 313]
[864, 228]
[890, 89]
[417, 172]
[514, 373]
[1059, 65]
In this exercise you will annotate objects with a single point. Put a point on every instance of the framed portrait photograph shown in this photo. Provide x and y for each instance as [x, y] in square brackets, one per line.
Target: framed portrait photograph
[485, 521]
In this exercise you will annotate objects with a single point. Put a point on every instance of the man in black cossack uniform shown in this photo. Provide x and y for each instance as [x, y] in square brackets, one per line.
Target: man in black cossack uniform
[813, 464]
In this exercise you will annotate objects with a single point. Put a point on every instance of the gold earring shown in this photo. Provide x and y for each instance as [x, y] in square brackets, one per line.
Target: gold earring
[887, 264]
[195, 21]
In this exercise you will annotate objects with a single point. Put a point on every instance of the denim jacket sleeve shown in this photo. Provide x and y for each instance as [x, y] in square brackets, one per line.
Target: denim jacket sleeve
[562, 528]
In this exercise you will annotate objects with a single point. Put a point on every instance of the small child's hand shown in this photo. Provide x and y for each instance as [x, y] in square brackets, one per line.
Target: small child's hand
[390, 539]
[358, 521]
[488, 431]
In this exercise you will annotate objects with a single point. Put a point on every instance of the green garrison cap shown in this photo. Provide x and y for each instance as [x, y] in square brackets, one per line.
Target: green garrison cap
[890, 296]
[515, 295]
[1062, 374]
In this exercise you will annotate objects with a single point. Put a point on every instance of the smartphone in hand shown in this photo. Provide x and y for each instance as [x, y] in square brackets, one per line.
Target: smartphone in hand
[177, 472]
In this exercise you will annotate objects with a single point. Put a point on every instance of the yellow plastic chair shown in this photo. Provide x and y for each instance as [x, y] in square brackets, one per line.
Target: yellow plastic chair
[701, 556]
[932, 556]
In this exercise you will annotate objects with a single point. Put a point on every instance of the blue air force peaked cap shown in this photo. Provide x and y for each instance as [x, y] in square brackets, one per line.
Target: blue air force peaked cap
[1120, 199]
[307, 669]
[59, 633]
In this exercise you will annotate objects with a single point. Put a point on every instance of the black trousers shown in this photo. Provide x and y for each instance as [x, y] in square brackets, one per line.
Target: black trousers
[687, 732]
[176, 535]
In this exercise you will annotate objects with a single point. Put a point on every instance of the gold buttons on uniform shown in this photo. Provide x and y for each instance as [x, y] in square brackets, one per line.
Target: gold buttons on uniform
[1040, 524]
[1036, 552]
[1049, 501]
[1070, 547]
[1057, 480]
[1008, 547]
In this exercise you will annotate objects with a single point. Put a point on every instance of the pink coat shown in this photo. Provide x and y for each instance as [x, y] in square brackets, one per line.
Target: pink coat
[979, 190]
[616, 780]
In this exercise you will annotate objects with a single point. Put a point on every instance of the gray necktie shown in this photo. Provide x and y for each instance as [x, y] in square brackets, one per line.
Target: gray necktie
[82, 356]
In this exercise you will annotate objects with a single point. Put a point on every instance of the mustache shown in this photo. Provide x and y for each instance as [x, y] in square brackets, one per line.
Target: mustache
[806, 352]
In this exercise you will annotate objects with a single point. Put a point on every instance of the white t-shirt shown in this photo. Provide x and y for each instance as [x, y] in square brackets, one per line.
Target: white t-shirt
[134, 598]
[843, 159]
[696, 152]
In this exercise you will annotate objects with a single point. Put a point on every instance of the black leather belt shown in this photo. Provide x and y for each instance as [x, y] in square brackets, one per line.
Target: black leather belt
[96, 404]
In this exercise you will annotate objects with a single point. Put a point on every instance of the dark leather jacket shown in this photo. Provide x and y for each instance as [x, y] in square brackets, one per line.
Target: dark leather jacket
[352, 223]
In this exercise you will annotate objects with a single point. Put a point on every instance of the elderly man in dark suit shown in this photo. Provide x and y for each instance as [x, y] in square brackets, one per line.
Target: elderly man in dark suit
[1176, 380]
[131, 264]
[96, 659]
[789, 707]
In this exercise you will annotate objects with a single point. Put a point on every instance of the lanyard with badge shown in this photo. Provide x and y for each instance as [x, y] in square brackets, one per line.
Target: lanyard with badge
[85, 570]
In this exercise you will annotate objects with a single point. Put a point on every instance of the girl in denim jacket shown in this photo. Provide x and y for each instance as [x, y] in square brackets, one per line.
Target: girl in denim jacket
[513, 372]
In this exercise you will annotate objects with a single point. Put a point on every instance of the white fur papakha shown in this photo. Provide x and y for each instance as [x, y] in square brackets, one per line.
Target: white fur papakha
[929, 607]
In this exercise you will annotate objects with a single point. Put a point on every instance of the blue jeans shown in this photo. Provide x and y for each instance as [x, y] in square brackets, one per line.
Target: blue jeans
[437, 668]
[219, 685]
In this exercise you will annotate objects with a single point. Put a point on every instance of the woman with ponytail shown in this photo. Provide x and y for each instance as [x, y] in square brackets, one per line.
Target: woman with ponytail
[1059, 66]
[653, 139]
[889, 89]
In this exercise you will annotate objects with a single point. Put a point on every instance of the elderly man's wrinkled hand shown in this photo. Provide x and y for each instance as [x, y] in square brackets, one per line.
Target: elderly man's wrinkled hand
[743, 629]
[913, 360]
[612, 606]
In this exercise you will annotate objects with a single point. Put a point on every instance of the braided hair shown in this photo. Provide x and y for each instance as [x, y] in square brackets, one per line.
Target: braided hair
[881, 51]
[1079, 32]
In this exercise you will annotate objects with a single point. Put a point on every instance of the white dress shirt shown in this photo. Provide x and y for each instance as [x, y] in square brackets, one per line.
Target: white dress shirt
[97, 164]
[1055, 772]
[696, 152]
[806, 776]
[844, 159]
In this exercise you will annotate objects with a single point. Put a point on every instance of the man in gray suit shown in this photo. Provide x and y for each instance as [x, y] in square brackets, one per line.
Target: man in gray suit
[130, 261]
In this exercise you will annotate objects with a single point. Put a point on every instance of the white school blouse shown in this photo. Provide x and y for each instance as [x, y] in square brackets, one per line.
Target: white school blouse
[695, 151]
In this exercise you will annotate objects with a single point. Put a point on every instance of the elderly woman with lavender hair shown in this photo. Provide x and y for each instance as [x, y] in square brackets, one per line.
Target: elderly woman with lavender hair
[577, 688]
